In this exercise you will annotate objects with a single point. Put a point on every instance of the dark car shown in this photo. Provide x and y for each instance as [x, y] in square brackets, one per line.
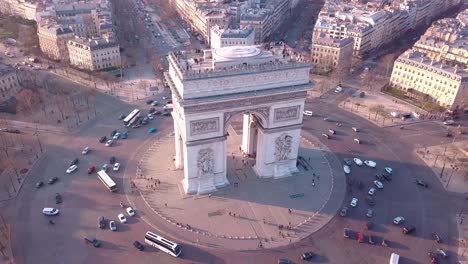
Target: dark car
[149, 101]
[144, 122]
[157, 113]
[307, 255]
[370, 201]
[138, 245]
[344, 211]
[152, 110]
[93, 242]
[408, 229]
[422, 183]
[284, 261]
[135, 126]
[121, 117]
[387, 177]
[436, 237]
[53, 180]
[166, 113]
[369, 225]
[113, 132]
[348, 161]
[112, 160]
[102, 222]
[74, 162]
[39, 184]
[103, 139]
[58, 198]
[379, 177]
[91, 169]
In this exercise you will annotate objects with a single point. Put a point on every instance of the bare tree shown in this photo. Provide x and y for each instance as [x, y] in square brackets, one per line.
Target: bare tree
[27, 101]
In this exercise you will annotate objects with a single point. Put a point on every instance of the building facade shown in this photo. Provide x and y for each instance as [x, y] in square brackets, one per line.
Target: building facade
[232, 37]
[9, 84]
[445, 85]
[328, 53]
[53, 40]
[94, 54]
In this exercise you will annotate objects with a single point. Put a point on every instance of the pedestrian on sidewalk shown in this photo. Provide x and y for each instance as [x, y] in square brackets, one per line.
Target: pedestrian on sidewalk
[165, 204]
[289, 211]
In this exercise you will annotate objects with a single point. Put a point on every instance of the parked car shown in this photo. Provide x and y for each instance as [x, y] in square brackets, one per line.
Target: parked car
[112, 225]
[346, 169]
[346, 232]
[370, 163]
[370, 213]
[398, 220]
[152, 130]
[93, 242]
[150, 116]
[354, 202]
[357, 161]
[102, 222]
[357, 140]
[130, 211]
[113, 132]
[112, 160]
[105, 167]
[371, 191]
[58, 198]
[39, 184]
[50, 211]
[91, 169]
[308, 113]
[284, 261]
[116, 136]
[122, 218]
[109, 142]
[354, 129]
[116, 167]
[408, 229]
[102, 139]
[378, 184]
[149, 101]
[347, 161]
[166, 113]
[74, 162]
[307, 256]
[389, 170]
[85, 151]
[326, 136]
[441, 253]
[71, 169]
[379, 177]
[387, 177]
[138, 245]
[344, 211]
[332, 131]
[53, 180]
[422, 183]
[121, 117]
[157, 113]
[360, 237]
[124, 135]
[152, 110]
[154, 103]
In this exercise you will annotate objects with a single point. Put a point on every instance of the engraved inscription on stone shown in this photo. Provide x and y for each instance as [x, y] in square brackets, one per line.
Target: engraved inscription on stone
[204, 126]
[287, 113]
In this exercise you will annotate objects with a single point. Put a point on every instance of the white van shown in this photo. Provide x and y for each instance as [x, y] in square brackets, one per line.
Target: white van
[168, 107]
[394, 258]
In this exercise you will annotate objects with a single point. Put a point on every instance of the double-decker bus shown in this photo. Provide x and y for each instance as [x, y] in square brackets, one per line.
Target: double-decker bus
[107, 181]
[132, 117]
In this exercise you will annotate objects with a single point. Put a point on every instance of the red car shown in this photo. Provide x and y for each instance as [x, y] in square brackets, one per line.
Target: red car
[360, 237]
[91, 169]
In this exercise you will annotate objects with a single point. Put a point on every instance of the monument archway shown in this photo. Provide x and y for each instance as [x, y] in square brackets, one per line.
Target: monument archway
[209, 89]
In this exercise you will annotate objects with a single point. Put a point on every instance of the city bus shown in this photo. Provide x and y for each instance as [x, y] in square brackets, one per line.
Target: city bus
[132, 117]
[107, 181]
[162, 244]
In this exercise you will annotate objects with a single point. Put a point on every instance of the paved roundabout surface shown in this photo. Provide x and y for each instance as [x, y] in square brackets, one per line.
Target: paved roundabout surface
[86, 199]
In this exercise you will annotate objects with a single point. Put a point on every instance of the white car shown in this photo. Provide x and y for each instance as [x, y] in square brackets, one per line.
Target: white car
[122, 218]
[109, 142]
[398, 220]
[116, 167]
[338, 89]
[150, 117]
[357, 161]
[308, 113]
[130, 211]
[346, 169]
[50, 211]
[112, 225]
[357, 140]
[72, 168]
[371, 191]
[378, 184]
[85, 151]
[354, 202]
[370, 163]
[116, 136]
[388, 170]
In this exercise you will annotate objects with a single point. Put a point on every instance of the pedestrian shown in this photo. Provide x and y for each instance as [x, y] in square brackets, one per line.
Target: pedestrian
[165, 204]
[209, 195]
[290, 211]
[264, 222]
[229, 213]
[309, 159]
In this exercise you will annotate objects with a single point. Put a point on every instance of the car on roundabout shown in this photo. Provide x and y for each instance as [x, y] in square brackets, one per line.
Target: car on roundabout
[398, 220]
[422, 183]
[93, 242]
[53, 180]
[85, 151]
[39, 184]
[50, 211]
[378, 184]
[308, 113]
[109, 142]
[354, 202]
[357, 140]
[358, 161]
[307, 256]
[71, 169]
[346, 169]
[344, 211]
[91, 169]
[138, 245]
[370, 163]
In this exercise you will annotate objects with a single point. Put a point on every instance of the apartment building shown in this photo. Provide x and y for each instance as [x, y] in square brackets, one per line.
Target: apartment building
[9, 84]
[416, 73]
[225, 37]
[329, 53]
[20, 8]
[53, 40]
[94, 54]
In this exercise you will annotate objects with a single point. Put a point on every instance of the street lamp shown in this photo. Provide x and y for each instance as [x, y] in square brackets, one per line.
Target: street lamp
[38, 140]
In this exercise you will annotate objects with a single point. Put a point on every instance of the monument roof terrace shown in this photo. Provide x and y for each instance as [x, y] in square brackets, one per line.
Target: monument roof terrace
[231, 61]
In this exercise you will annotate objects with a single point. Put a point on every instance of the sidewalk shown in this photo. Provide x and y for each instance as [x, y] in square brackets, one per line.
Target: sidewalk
[249, 210]
[462, 222]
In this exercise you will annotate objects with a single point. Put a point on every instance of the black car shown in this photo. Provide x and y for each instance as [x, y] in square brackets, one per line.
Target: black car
[144, 122]
[370, 201]
[138, 245]
[135, 126]
[103, 139]
[149, 101]
[102, 222]
[422, 183]
[307, 255]
[121, 117]
[408, 229]
[387, 177]
[348, 161]
[112, 160]
[53, 180]
[379, 177]
[166, 113]
[113, 132]
[344, 211]
[93, 242]
[436, 237]
[58, 198]
[152, 110]
[74, 162]
[39, 184]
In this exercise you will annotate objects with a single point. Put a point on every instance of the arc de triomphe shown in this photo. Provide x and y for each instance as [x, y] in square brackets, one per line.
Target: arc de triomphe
[210, 88]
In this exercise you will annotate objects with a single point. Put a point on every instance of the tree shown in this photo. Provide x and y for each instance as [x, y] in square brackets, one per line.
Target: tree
[377, 109]
[27, 101]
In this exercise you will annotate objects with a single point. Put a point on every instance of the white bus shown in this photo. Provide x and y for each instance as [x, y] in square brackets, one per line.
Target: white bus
[132, 117]
[107, 181]
[394, 258]
[163, 244]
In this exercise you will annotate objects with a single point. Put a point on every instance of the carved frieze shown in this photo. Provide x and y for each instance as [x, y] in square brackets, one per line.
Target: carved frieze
[283, 147]
[205, 162]
[287, 113]
[204, 126]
